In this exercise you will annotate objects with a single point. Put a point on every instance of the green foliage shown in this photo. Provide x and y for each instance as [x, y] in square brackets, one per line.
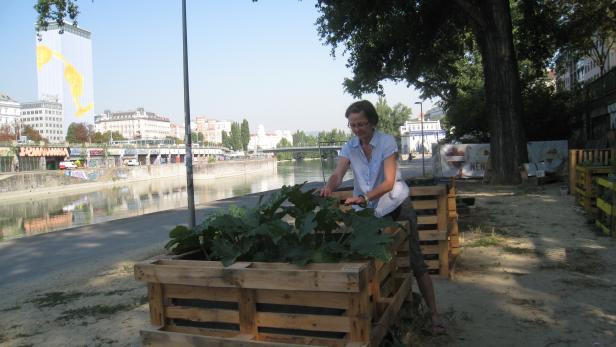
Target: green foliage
[77, 133]
[290, 226]
[236, 137]
[284, 155]
[55, 11]
[391, 119]
[226, 140]
[32, 134]
[245, 134]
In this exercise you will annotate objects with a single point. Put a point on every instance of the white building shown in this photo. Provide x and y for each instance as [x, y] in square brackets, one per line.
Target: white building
[134, 124]
[64, 71]
[212, 129]
[583, 70]
[46, 117]
[263, 140]
[411, 135]
[9, 112]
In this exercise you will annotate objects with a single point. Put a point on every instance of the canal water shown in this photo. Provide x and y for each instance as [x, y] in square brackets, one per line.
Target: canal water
[61, 211]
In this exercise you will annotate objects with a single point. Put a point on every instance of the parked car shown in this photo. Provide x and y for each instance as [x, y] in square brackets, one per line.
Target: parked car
[67, 165]
[132, 162]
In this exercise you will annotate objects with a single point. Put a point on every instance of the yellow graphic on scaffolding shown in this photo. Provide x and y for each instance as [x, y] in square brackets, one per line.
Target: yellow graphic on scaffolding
[71, 75]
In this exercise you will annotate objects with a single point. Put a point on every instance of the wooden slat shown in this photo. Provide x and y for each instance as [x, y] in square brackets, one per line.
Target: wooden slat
[202, 314]
[303, 298]
[290, 340]
[311, 322]
[248, 310]
[426, 190]
[429, 249]
[425, 204]
[178, 291]
[443, 257]
[351, 278]
[200, 331]
[359, 316]
[404, 262]
[431, 235]
[158, 338]
[380, 329]
[155, 299]
[427, 219]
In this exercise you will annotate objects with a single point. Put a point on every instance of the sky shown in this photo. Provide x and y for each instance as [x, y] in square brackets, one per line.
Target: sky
[260, 61]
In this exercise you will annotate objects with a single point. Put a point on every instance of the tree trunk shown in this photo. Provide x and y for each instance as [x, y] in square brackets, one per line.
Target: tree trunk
[507, 139]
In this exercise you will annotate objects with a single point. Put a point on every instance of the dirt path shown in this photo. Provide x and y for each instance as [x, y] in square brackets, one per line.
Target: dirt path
[532, 273]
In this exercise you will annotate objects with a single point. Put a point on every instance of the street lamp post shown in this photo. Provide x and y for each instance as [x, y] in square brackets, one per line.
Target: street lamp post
[423, 160]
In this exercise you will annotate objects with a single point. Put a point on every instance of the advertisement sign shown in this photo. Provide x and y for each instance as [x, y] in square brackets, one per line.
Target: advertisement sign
[549, 156]
[78, 152]
[464, 160]
[42, 152]
[97, 152]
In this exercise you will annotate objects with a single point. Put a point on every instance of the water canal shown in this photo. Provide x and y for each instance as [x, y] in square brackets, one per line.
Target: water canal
[63, 210]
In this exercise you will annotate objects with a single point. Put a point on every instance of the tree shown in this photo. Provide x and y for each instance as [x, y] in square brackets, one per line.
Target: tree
[420, 42]
[32, 134]
[245, 134]
[226, 140]
[391, 119]
[77, 133]
[588, 29]
[6, 133]
[236, 137]
[284, 155]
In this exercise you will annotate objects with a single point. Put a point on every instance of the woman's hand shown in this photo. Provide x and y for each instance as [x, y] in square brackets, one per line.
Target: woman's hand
[326, 191]
[355, 200]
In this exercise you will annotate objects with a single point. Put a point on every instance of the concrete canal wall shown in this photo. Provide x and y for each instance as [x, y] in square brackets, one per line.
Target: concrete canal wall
[41, 180]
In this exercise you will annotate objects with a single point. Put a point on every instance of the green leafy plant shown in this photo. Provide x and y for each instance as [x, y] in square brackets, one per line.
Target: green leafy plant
[290, 226]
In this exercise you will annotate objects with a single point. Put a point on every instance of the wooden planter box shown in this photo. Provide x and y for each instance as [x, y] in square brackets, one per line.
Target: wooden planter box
[203, 303]
[585, 189]
[606, 210]
[436, 221]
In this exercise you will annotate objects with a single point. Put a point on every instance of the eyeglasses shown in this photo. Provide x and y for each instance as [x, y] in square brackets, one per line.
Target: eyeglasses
[358, 125]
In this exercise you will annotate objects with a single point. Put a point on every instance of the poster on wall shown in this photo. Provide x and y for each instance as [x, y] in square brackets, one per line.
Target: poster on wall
[463, 160]
[549, 156]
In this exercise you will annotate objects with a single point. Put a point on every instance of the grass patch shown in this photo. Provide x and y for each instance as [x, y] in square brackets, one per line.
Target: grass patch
[487, 240]
[52, 299]
[12, 308]
[520, 250]
[94, 311]
[118, 292]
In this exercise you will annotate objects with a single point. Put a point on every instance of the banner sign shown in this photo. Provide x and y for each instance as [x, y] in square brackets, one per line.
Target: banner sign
[464, 160]
[130, 151]
[77, 152]
[42, 152]
[549, 156]
[115, 151]
[97, 152]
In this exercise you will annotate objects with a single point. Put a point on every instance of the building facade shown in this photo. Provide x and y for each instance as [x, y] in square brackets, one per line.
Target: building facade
[582, 71]
[263, 140]
[9, 112]
[134, 124]
[411, 135]
[46, 117]
[64, 71]
[212, 129]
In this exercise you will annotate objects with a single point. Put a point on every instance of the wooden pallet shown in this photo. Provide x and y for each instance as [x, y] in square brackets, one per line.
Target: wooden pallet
[606, 210]
[601, 157]
[202, 303]
[433, 223]
[585, 189]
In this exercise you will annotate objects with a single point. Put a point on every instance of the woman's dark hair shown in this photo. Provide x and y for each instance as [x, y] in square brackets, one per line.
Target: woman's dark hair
[366, 108]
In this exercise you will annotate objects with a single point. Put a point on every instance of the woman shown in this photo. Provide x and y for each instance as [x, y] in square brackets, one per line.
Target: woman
[377, 184]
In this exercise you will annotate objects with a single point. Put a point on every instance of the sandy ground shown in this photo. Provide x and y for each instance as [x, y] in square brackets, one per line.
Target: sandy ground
[532, 272]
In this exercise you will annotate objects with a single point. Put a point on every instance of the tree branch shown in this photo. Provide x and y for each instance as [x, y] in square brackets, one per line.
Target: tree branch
[472, 11]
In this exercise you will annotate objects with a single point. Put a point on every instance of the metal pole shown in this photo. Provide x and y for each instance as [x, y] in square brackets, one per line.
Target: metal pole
[190, 189]
[423, 149]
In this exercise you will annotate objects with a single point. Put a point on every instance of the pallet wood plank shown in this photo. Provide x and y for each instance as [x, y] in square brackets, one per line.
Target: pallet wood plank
[348, 279]
[431, 235]
[359, 316]
[302, 298]
[311, 322]
[248, 311]
[202, 314]
[425, 204]
[158, 338]
[155, 298]
[380, 329]
[179, 291]
[427, 219]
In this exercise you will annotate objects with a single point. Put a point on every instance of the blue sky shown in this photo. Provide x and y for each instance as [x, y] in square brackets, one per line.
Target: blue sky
[261, 61]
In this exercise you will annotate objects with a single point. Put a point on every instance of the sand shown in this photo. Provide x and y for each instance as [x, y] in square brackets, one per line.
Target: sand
[532, 272]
